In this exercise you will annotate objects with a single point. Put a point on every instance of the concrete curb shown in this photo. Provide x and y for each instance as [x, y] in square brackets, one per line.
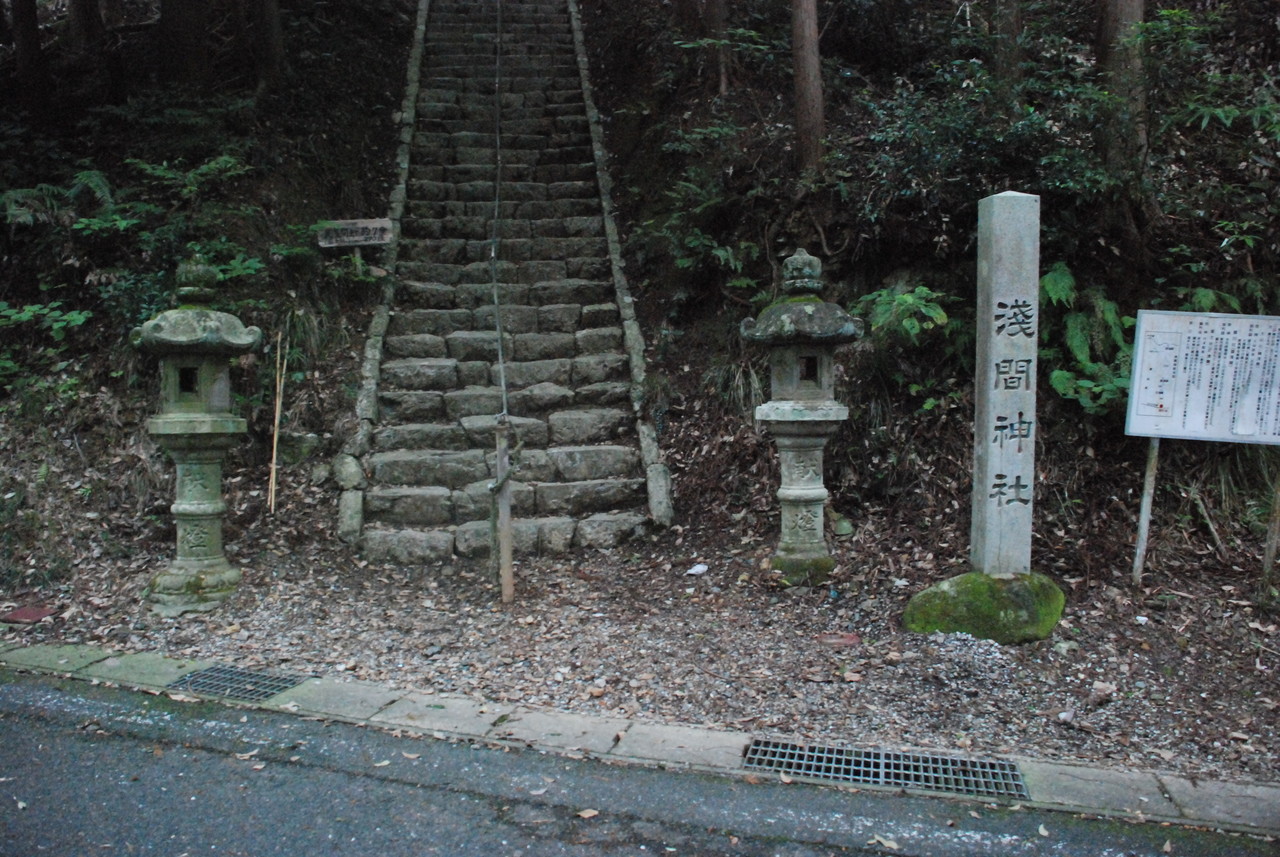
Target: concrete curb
[1139, 796]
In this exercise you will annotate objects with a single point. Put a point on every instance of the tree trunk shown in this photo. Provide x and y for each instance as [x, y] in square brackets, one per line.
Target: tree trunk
[87, 29]
[113, 12]
[1120, 59]
[28, 55]
[716, 18]
[269, 45]
[807, 67]
[6, 34]
[1007, 24]
[688, 16]
[182, 40]
[1124, 141]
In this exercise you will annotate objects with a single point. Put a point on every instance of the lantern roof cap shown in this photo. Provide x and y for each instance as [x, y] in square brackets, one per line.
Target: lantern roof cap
[193, 328]
[800, 317]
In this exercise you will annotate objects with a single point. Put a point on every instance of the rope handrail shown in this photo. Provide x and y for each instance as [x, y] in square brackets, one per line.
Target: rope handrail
[495, 233]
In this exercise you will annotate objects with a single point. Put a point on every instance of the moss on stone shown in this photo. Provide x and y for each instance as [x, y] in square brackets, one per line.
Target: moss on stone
[1008, 610]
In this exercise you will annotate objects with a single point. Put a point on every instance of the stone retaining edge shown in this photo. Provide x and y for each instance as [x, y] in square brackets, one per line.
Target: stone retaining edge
[351, 502]
[657, 475]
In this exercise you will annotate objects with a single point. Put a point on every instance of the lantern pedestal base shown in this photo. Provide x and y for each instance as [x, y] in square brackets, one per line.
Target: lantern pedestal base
[192, 587]
[802, 554]
[799, 570]
[199, 578]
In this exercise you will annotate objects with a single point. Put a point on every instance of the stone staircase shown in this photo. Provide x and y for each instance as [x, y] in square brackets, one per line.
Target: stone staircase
[586, 471]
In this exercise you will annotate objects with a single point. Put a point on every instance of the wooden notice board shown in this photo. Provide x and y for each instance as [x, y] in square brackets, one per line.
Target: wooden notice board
[1206, 376]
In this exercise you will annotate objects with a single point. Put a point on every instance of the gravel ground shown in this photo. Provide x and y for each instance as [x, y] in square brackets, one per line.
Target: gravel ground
[682, 629]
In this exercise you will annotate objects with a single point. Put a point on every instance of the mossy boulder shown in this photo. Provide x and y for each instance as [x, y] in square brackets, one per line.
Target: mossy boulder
[1008, 610]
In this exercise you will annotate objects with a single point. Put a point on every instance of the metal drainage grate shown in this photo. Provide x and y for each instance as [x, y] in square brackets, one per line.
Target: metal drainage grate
[237, 683]
[976, 777]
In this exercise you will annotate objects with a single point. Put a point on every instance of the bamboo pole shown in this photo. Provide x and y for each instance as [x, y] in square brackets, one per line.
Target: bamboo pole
[1144, 517]
[282, 362]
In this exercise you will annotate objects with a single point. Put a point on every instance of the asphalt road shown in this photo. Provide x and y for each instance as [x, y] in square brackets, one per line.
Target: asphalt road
[88, 770]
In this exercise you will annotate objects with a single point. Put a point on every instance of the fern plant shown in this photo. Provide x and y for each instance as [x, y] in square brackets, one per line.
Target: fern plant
[1088, 349]
[53, 204]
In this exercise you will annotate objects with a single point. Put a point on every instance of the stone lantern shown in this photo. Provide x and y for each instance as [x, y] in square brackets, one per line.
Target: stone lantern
[802, 332]
[196, 427]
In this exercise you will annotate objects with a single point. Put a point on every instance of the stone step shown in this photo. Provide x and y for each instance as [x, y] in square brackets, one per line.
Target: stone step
[437, 506]
[551, 293]
[553, 535]
[595, 413]
[517, 36]
[551, 102]
[610, 386]
[426, 141]
[529, 360]
[590, 268]
[456, 469]
[603, 381]
[427, 136]
[518, 30]
[482, 228]
[527, 84]
[512, 191]
[482, 27]
[423, 331]
[479, 109]
[535, 88]
[507, 209]
[450, 150]
[515, 20]
[447, 468]
[510, 172]
[515, 67]
[461, 251]
[449, 51]
[544, 132]
[556, 360]
[476, 431]
[425, 294]
[533, 359]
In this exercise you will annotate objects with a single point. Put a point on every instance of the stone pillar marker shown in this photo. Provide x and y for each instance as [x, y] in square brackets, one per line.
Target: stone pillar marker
[802, 332]
[1005, 383]
[1001, 599]
[196, 427]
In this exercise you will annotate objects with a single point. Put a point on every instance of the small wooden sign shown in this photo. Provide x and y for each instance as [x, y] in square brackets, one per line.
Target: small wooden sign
[355, 233]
